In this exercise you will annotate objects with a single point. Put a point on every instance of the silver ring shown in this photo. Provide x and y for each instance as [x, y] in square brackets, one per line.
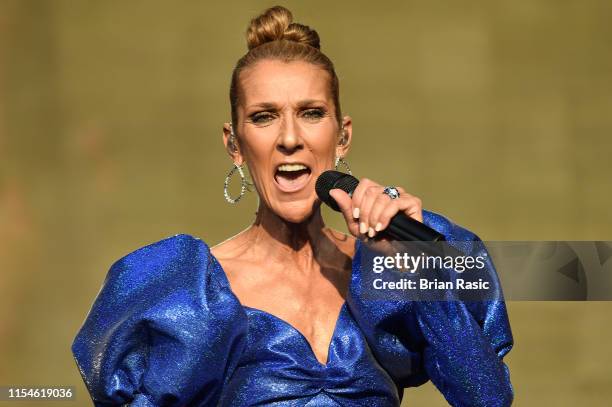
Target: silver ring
[392, 192]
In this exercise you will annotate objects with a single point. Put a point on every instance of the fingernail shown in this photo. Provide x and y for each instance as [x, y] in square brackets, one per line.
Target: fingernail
[371, 232]
[378, 227]
[362, 228]
[356, 213]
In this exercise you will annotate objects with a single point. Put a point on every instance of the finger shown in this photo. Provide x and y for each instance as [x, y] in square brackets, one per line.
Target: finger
[381, 204]
[409, 205]
[359, 193]
[415, 210]
[346, 208]
[369, 197]
[384, 200]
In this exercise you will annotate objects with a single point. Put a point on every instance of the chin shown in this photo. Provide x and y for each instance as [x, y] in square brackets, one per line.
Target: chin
[297, 212]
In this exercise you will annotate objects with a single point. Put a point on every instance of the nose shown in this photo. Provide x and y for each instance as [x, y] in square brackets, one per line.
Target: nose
[289, 139]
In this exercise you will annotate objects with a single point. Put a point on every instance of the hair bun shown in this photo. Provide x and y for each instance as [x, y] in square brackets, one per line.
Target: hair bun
[276, 23]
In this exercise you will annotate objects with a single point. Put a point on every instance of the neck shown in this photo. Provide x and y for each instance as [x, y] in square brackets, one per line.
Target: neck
[279, 236]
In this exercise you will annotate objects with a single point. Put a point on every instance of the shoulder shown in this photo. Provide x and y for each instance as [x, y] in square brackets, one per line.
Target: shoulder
[163, 282]
[168, 247]
[170, 263]
[161, 315]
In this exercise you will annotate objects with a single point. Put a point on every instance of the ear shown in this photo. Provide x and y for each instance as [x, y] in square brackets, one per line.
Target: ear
[344, 137]
[232, 146]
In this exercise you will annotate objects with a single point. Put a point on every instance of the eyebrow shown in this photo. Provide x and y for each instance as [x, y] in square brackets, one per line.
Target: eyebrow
[300, 104]
[309, 102]
[263, 105]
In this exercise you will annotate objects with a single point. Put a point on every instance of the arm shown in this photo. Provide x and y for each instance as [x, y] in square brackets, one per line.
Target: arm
[459, 346]
[458, 357]
[465, 342]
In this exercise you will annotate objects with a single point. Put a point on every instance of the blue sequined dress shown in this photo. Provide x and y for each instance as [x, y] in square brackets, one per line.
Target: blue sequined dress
[166, 330]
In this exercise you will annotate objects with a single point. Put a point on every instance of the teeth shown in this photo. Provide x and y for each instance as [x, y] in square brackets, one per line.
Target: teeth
[292, 167]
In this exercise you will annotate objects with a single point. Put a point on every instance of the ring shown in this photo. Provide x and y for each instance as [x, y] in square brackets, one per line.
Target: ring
[392, 192]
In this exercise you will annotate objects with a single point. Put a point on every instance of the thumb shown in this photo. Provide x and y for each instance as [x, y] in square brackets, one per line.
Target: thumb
[344, 201]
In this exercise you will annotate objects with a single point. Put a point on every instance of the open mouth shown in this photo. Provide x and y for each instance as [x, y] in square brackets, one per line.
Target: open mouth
[292, 177]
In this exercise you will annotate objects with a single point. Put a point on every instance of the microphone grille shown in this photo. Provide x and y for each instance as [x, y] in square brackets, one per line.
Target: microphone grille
[329, 180]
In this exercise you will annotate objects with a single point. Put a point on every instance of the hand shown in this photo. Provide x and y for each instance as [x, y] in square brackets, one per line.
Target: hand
[369, 210]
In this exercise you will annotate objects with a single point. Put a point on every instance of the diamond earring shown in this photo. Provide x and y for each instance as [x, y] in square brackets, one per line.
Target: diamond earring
[243, 184]
[340, 160]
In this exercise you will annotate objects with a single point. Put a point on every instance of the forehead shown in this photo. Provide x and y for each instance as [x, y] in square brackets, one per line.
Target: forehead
[278, 81]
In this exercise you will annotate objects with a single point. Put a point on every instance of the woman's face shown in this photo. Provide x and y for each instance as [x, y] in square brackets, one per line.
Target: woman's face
[287, 133]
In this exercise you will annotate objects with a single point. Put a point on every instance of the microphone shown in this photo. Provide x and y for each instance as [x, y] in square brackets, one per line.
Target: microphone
[401, 227]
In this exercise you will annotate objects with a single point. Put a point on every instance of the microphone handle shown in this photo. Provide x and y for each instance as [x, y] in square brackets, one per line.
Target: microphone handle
[404, 228]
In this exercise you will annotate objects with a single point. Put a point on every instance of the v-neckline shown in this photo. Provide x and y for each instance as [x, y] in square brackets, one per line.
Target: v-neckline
[287, 323]
[302, 336]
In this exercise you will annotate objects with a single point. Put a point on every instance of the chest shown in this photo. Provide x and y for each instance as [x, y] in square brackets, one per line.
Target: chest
[309, 303]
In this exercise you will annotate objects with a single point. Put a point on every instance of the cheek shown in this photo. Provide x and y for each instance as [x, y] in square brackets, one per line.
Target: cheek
[257, 157]
[322, 140]
[325, 149]
[256, 153]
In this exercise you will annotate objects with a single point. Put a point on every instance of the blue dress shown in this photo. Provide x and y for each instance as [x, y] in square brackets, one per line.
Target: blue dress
[167, 330]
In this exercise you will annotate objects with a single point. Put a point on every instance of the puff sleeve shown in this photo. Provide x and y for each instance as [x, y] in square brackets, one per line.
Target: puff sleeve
[457, 345]
[163, 330]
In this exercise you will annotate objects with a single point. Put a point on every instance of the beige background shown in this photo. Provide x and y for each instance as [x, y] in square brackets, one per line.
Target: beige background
[496, 113]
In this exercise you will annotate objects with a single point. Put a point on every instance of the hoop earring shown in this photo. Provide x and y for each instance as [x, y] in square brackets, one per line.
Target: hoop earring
[243, 184]
[340, 160]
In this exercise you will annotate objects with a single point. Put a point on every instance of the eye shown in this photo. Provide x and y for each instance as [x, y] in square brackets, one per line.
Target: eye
[261, 117]
[314, 114]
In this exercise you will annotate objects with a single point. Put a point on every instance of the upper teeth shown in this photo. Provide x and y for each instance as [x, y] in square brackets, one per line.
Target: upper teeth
[292, 167]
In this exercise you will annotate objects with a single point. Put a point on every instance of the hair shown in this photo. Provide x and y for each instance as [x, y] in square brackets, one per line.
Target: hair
[274, 35]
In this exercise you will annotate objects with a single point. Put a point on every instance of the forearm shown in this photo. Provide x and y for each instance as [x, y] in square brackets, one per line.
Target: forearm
[459, 359]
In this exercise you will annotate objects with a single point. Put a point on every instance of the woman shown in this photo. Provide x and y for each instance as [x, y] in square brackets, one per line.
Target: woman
[273, 315]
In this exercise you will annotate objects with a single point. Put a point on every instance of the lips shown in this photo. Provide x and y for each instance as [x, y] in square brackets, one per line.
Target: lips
[291, 177]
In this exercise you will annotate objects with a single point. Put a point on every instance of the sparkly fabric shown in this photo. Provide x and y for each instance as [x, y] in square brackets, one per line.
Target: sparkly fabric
[459, 346]
[166, 330]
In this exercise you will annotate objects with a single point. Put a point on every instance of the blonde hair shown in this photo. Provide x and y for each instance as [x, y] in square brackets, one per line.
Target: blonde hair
[274, 35]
